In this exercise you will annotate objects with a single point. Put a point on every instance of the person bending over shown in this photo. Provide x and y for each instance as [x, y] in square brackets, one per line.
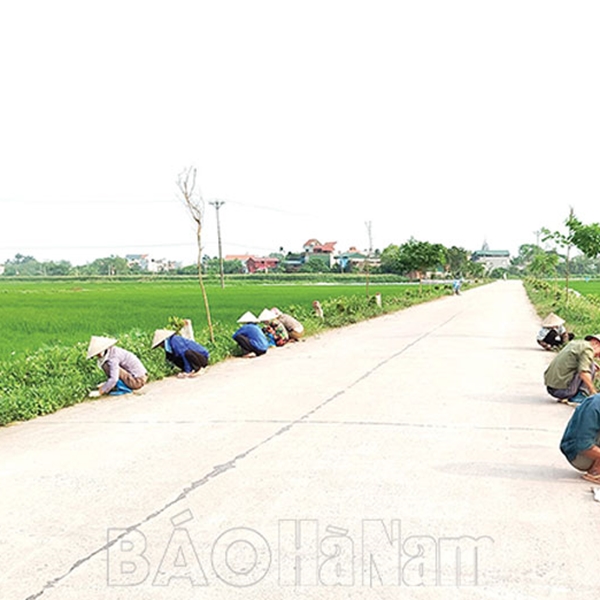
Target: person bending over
[186, 354]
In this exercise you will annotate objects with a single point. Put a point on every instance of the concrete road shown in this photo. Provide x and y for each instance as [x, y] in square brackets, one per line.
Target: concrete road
[412, 456]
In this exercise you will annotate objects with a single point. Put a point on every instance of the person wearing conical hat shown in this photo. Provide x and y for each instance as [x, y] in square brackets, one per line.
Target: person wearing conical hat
[294, 328]
[249, 337]
[186, 354]
[273, 329]
[553, 333]
[124, 369]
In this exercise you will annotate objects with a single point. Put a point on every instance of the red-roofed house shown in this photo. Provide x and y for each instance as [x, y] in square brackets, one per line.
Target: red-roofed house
[313, 247]
[254, 264]
[257, 264]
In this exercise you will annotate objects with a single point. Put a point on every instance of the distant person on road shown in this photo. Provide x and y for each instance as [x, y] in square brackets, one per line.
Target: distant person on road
[184, 353]
[553, 333]
[456, 286]
[570, 376]
[581, 440]
[249, 337]
[124, 369]
[294, 328]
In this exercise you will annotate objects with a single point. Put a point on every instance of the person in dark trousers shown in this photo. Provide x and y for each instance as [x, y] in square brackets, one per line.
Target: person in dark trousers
[249, 337]
[186, 354]
[570, 375]
[553, 333]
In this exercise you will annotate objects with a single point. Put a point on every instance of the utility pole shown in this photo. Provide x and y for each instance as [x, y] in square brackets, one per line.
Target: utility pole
[217, 204]
[368, 225]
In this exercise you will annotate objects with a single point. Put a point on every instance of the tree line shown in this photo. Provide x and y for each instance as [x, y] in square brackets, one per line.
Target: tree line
[413, 258]
[572, 251]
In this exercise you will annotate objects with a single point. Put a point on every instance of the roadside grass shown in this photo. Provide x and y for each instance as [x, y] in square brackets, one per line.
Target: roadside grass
[581, 312]
[39, 380]
[40, 313]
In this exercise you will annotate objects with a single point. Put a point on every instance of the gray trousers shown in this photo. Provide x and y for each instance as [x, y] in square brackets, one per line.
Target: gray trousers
[583, 463]
[574, 387]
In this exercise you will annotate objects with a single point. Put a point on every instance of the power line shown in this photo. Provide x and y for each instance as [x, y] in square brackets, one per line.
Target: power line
[95, 247]
[138, 245]
[103, 202]
[273, 209]
[82, 203]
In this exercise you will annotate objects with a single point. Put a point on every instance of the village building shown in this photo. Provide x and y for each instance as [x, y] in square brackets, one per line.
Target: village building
[255, 264]
[491, 259]
[152, 265]
[315, 249]
[353, 258]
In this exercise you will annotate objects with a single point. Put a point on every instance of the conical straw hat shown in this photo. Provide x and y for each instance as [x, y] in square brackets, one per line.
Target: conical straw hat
[248, 317]
[552, 320]
[98, 344]
[267, 315]
[160, 335]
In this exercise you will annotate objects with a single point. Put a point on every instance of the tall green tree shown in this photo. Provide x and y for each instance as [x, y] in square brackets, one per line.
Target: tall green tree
[544, 264]
[563, 240]
[109, 265]
[390, 260]
[457, 260]
[585, 238]
[422, 256]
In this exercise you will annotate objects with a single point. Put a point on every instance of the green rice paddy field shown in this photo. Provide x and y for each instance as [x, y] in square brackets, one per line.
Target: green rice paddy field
[587, 288]
[35, 314]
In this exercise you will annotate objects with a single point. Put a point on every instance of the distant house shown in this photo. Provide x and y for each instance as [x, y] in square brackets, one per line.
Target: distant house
[138, 260]
[243, 258]
[152, 265]
[491, 259]
[314, 249]
[293, 262]
[353, 258]
[255, 264]
[313, 246]
[163, 265]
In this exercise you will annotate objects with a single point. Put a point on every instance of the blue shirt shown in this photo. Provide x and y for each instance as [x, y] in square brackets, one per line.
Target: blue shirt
[178, 345]
[582, 429]
[254, 333]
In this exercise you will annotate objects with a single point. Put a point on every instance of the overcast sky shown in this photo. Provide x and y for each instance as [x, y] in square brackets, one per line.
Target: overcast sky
[451, 121]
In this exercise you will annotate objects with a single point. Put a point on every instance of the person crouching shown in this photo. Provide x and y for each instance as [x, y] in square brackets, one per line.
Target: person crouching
[186, 354]
[553, 333]
[249, 337]
[124, 369]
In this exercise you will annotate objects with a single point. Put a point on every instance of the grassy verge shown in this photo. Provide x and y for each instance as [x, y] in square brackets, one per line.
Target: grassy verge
[56, 376]
[581, 313]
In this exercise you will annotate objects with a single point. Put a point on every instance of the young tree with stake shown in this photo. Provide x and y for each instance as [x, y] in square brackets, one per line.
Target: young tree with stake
[192, 198]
